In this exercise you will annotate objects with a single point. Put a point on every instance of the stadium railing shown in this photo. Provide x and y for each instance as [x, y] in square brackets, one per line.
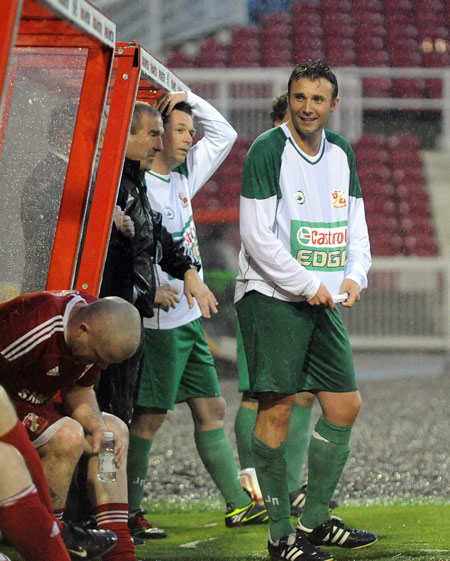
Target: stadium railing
[245, 96]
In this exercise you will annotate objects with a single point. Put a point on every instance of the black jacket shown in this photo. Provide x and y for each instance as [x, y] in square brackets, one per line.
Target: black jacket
[129, 270]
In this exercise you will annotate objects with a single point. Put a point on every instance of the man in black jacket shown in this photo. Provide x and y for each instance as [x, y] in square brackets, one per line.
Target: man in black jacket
[138, 240]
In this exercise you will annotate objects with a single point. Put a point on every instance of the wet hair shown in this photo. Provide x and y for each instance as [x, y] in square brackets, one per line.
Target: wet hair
[141, 107]
[279, 107]
[182, 106]
[314, 69]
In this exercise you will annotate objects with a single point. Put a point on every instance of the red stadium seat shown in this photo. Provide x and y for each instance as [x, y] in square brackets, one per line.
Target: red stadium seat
[377, 223]
[373, 58]
[368, 5]
[409, 88]
[368, 18]
[434, 88]
[179, 59]
[370, 43]
[398, 5]
[379, 191]
[368, 156]
[406, 140]
[300, 21]
[372, 140]
[436, 60]
[377, 87]
[337, 6]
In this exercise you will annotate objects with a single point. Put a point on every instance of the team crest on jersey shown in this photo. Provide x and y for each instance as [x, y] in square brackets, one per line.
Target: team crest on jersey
[169, 213]
[183, 199]
[299, 197]
[338, 198]
[53, 371]
[35, 423]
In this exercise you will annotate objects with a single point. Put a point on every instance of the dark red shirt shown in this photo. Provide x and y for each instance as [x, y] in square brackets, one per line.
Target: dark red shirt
[35, 362]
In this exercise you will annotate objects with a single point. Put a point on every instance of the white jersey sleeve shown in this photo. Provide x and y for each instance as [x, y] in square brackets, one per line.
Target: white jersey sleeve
[266, 252]
[358, 247]
[209, 153]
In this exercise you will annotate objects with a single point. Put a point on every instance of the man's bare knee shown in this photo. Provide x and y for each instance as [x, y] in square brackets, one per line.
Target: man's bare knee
[68, 441]
[9, 417]
[208, 413]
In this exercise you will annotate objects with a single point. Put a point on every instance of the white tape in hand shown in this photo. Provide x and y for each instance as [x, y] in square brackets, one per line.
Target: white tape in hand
[338, 298]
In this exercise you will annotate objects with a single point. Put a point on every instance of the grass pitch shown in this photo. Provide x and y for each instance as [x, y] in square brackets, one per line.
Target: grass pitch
[197, 532]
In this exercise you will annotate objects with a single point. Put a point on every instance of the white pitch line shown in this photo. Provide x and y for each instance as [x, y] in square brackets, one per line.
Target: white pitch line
[193, 545]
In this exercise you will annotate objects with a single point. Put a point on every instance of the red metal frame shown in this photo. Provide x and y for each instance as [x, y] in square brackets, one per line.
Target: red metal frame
[126, 79]
[9, 21]
[136, 75]
[79, 25]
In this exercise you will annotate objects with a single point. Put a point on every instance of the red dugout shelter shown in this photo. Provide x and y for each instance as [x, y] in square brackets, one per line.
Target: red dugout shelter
[61, 74]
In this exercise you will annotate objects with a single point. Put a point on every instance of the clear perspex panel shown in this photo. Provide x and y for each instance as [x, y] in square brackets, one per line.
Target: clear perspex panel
[36, 128]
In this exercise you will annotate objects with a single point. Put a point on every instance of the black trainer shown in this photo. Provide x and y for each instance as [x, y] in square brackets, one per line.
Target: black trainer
[141, 528]
[297, 499]
[295, 546]
[87, 544]
[334, 532]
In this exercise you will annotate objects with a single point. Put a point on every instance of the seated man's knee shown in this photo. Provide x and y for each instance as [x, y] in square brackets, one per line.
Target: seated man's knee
[68, 440]
[9, 417]
[15, 475]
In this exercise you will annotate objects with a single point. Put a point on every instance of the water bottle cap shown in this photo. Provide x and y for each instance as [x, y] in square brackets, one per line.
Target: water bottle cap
[108, 435]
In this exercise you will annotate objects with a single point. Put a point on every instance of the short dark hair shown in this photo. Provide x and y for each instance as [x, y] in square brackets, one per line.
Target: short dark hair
[181, 106]
[314, 69]
[279, 107]
[141, 107]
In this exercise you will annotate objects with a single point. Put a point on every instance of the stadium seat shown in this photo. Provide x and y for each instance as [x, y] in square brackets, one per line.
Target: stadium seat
[337, 6]
[406, 140]
[408, 175]
[368, 156]
[434, 88]
[378, 190]
[278, 58]
[398, 6]
[307, 19]
[179, 59]
[385, 244]
[367, 17]
[421, 244]
[373, 58]
[372, 140]
[397, 30]
[409, 88]
[377, 223]
[377, 87]
[369, 6]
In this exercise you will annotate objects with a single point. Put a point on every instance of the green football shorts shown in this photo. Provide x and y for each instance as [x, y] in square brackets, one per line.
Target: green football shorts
[293, 347]
[177, 365]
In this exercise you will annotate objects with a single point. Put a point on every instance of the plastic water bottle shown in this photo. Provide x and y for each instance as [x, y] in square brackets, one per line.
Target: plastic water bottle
[106, 460]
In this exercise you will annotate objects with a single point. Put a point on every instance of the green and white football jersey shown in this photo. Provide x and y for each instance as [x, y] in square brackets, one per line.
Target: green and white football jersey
[302, 218]
[171, 196]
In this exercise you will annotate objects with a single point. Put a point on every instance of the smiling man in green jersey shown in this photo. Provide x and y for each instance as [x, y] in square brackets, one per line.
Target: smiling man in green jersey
[304, 247]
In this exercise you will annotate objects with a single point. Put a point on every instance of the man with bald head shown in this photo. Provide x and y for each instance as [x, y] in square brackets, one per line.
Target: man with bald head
[54, 342]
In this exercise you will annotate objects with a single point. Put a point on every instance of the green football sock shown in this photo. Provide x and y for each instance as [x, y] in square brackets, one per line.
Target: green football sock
[297, 444]
[328, 452]
[244, 424]
[217, 456]
[270, 465]
[137, 468]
